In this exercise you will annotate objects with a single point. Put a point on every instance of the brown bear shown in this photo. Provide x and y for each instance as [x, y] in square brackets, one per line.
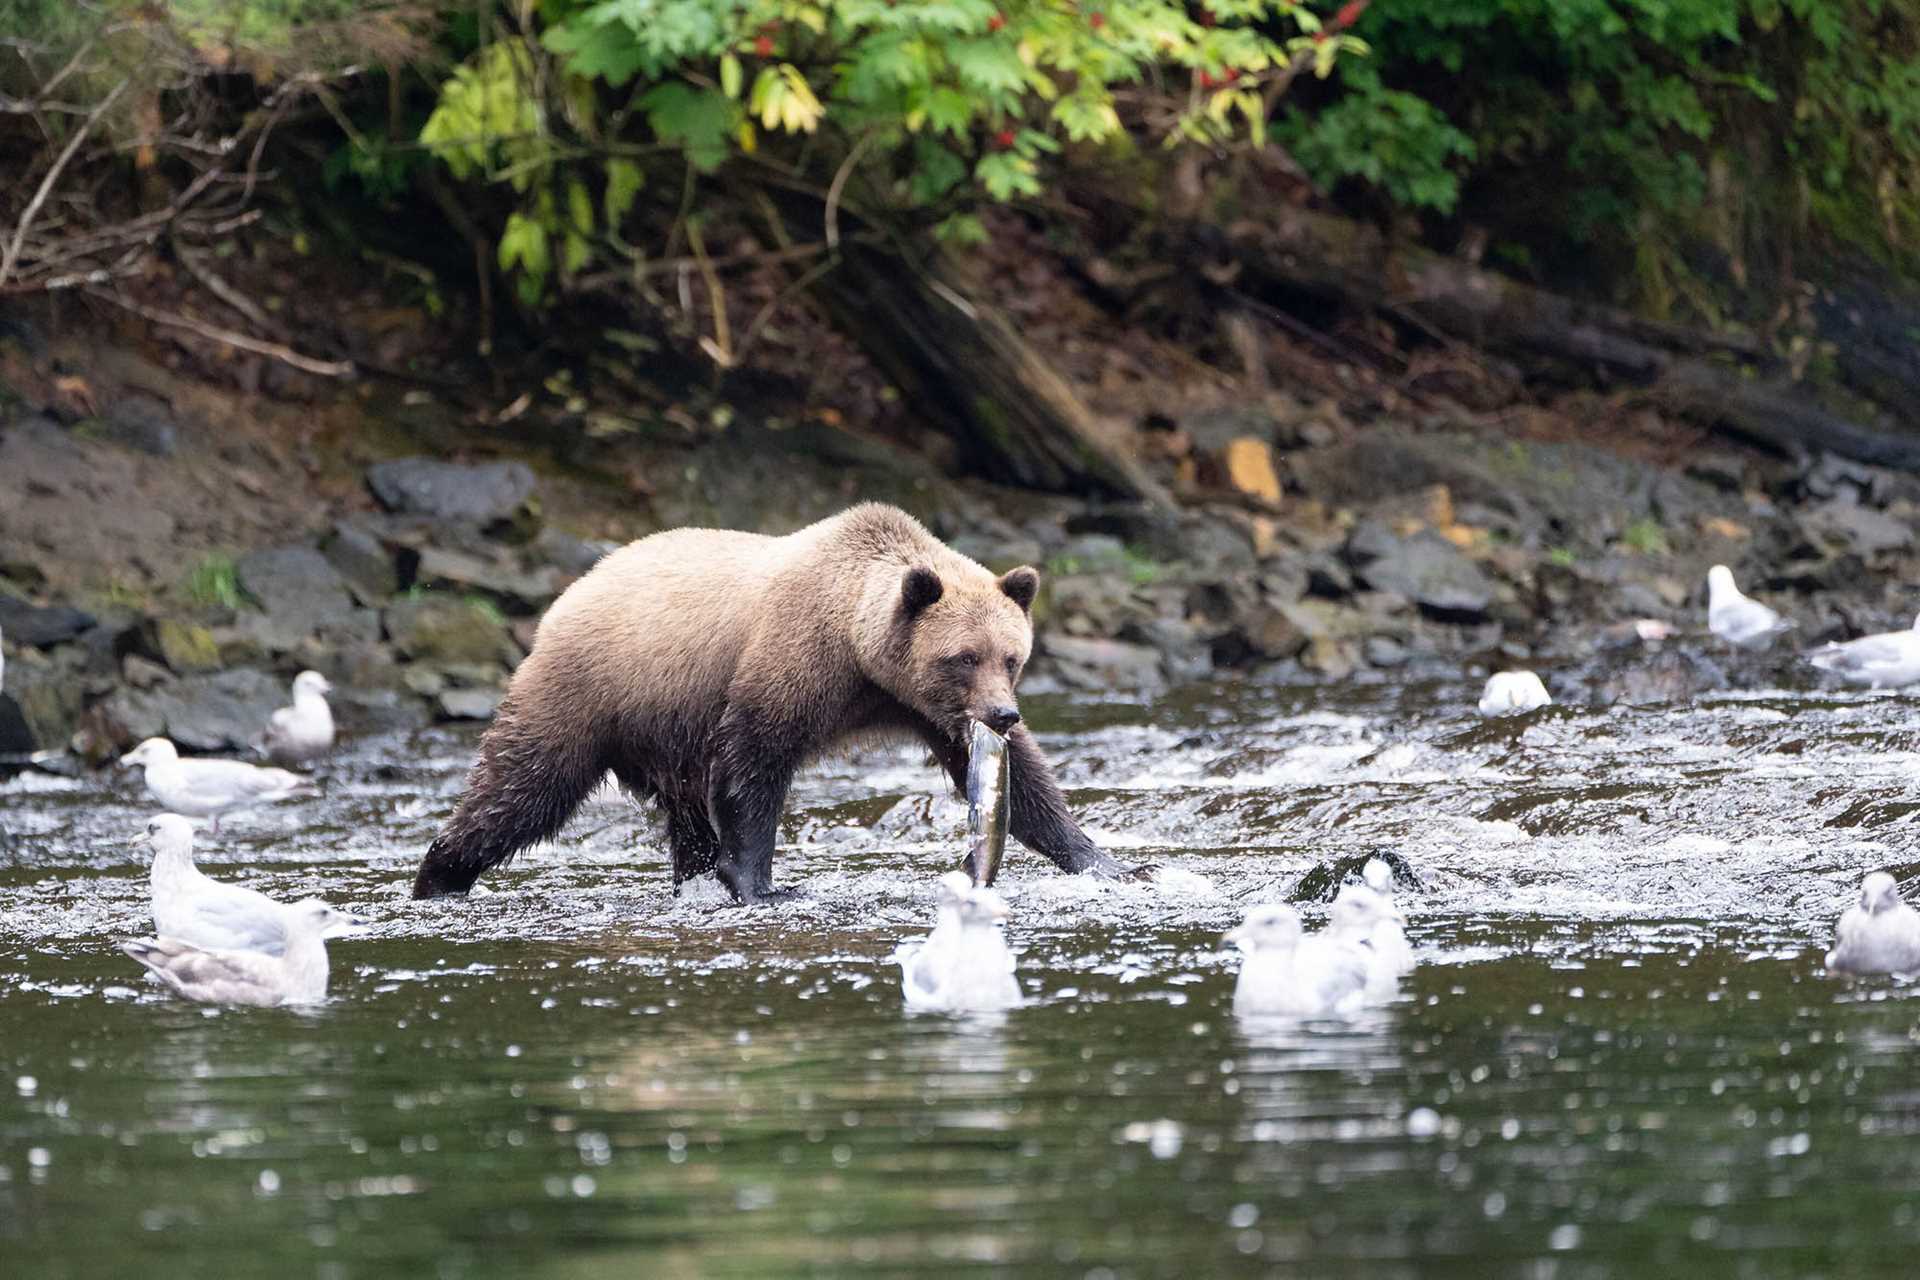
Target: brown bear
[704, 666]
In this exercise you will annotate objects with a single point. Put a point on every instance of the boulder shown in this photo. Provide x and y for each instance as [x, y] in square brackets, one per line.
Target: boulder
[40, 626]
[444, 629]
[363, 563]
[468, 704]
[1425, 568]
[496, 575]
[219, 712]
[1086, 663]
[481, 494]
[1846, 526]
[303, 596]
[184, 647]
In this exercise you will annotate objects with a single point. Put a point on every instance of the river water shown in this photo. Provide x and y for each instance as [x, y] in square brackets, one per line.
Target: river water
[1619, 1055]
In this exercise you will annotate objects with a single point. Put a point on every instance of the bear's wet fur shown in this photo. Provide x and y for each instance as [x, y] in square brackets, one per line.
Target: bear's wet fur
[703, 667]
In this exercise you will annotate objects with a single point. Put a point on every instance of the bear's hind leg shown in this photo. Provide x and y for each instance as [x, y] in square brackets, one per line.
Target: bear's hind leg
[696, 850]
[523, 788]
[746, 804]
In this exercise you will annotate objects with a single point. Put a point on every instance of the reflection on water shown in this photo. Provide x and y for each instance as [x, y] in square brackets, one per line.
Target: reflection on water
[1617, 1057]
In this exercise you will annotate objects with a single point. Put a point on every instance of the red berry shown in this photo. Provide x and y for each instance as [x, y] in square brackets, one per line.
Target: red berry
[1207, 81]
[763, 45]
[996, 22]
[1003, 139]
[1206, 17]
[1233, 73]
[1349, 14]
[1319, 37]
[1097, 20]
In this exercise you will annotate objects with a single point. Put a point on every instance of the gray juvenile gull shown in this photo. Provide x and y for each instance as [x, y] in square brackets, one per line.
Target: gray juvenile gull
[1511, 692]
[209, 788]
[1882, 661]
[1878, 934]
[303, 732]
[299, 976]
[192, 907]
[965, 964]
[1737, 619]
[1287, 974]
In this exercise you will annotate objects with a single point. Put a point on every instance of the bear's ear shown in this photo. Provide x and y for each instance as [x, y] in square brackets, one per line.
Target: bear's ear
[1021, 585]
[920, 588]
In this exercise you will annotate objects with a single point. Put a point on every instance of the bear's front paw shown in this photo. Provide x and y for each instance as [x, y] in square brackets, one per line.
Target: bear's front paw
[768, 897]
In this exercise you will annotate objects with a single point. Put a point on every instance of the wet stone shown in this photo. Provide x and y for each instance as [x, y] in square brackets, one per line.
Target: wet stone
[41, 627]
[481, 493]
[468, 704]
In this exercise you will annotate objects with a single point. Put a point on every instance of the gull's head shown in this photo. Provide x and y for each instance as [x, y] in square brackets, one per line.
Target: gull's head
[1916, 623]
[951, 889]
[311, 684]
[1878, 893]
[1720, 582]
[1357, 909]
[1377, 876]
[314, 915]
[982, 907]
[1271, 926]
[167, 833]
[152, 751]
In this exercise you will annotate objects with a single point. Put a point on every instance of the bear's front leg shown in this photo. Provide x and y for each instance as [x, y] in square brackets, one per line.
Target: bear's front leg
[746, 799]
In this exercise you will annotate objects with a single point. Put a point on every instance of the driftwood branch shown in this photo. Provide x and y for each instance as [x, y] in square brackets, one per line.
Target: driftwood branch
[12, 253]
[240, 341]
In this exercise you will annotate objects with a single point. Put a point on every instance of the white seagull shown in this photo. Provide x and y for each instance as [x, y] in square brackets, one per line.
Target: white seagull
[1364, 920]
[1511, 692]
[1390, 934]
[1287, 974]
[1737, 619]
[299, 976]
[1879, 934]
[964, 966]
[303, 732]
[190, 906]
[209, 788]
[1882, 661]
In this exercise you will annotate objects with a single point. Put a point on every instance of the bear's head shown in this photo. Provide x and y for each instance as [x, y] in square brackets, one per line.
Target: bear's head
[960, 643]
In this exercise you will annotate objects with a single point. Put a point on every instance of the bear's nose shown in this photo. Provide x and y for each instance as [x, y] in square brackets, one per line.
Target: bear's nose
[1001, 719]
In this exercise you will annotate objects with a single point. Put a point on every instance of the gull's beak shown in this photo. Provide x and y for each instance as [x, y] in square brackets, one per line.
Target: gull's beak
[130, 758]
[143, 841]
[1237, 934]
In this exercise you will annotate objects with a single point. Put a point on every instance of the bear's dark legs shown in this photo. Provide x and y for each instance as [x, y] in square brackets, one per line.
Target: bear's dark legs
[523, 788]
[746, 809]
[1037, 814]
[696, 850]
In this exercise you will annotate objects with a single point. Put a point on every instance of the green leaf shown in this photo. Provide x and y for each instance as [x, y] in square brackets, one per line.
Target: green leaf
[730, 75]
[524, 245]
[1006, 175]
[624, 180]
[699, 119]
[991, 66]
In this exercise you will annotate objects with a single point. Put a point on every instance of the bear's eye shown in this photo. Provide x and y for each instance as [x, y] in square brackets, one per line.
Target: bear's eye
[967, 660]
[1013, 665]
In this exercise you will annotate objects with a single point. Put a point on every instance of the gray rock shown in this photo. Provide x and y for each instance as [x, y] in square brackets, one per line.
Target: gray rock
[1085, 663]
[570, 554]
[220, 712]
[444, 630]
[496, 575]
[1383, 651]
[41, 627]
[303, 597]
[1093, 553]
[1847, 526]
[1426, 569]
[480, 493]
[363, 562]
[140, 422]
[469, 704]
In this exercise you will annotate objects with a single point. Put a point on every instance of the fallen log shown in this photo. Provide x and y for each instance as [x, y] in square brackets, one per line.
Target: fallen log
[1728, 381]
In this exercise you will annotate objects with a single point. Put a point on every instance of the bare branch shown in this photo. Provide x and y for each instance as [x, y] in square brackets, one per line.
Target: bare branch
[278, 351]
[12, 253]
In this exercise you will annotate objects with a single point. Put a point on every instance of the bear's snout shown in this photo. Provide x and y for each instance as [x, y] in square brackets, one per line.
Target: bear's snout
[1002, 718]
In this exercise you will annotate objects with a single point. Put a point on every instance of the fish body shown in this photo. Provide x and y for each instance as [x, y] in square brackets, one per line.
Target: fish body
[987, 768]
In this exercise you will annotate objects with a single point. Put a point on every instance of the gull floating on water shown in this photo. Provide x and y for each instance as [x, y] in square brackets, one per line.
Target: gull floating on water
[1389, 936]
[1883, 661]
[190, 906]
[299, 976]
[303, 732]
[1287, 974]
[1735, 618]
[209, 788]
[1511, 692]
[965, 964]
[1364, 920]
[1878, 934]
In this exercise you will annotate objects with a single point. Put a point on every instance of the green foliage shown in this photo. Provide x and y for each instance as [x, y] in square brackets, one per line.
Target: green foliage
[943, 103]
[1646, 537]
[1646, 129]
[215, 581]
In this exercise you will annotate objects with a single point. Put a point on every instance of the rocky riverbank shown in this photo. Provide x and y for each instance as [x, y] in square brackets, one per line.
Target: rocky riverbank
[171, 554]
